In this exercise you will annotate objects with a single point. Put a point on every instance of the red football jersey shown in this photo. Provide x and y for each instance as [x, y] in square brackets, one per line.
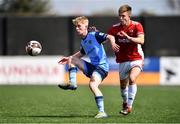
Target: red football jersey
[129, 50]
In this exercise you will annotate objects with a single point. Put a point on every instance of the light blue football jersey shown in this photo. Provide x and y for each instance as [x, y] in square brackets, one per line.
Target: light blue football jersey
[92, 46]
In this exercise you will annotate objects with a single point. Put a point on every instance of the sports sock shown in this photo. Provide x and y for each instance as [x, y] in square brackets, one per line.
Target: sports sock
[72, 75]
[124, 94]
[100, 103]
[132, 89]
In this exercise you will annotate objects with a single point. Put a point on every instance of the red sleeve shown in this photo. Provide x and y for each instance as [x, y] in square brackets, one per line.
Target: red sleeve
[110, 31]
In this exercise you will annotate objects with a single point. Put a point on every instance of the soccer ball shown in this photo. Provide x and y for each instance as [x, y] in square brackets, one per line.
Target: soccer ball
[33, 48]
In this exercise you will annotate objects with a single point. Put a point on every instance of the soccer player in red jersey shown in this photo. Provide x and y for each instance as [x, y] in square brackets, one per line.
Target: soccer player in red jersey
[129, 36]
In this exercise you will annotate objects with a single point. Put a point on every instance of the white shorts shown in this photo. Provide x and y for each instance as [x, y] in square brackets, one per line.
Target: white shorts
[125, 67]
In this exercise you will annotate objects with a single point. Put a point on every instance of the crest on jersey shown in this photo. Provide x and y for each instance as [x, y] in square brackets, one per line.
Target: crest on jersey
[101, 34]
[90, 41]
[131, 32]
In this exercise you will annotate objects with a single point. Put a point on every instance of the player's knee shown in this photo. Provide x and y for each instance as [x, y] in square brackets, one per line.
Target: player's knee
[74, 60]
[70, 63]
[93, 85]
[123, 85]
[132, 80]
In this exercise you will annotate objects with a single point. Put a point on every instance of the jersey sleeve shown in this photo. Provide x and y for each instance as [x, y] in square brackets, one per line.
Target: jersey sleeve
[110, 31]
[139, 28]
[100, 37]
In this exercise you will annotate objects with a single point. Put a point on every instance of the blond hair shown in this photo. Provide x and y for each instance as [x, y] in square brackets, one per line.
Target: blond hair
[125, 8]
[81, 19]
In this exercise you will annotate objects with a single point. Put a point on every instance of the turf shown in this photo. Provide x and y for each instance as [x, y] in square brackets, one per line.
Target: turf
[49, 104]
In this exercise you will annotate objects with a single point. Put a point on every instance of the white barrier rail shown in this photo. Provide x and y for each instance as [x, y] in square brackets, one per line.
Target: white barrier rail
[31, 70]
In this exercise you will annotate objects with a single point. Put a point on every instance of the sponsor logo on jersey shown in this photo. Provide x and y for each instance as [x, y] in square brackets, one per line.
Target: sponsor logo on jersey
[123, 41]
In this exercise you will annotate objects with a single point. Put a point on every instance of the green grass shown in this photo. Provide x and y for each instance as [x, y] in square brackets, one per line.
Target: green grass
[49, 104]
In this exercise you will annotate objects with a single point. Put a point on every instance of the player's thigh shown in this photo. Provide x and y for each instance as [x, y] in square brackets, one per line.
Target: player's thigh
[136, 68]
[134, 73]
[78, 62]
[124, 68]
[124, 74]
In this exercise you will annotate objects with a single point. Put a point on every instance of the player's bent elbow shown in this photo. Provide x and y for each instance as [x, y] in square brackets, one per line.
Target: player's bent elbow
[142, 42]
[141, 39]
[110, 38]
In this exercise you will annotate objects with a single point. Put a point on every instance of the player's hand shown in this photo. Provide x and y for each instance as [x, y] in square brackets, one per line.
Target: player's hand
[115, 47]
[125, 34]
[64, 60]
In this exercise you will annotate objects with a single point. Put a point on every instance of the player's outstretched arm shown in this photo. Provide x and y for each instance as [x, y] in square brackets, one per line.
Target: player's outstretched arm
[115, 46]
[65, 60]
[78, 55]
[139, 39]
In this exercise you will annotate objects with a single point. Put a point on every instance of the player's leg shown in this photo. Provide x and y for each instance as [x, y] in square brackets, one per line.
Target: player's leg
[124, 80]
[95, 81]
[132, 88]
[134, 72]
[124, 93]
[73, 63]
[72, 74]
[124, 90]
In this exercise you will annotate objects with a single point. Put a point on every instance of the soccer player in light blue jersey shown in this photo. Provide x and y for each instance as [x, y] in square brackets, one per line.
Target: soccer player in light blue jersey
[98, 67]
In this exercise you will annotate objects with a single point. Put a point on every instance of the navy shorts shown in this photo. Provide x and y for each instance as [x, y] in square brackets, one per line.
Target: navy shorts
[89, 69]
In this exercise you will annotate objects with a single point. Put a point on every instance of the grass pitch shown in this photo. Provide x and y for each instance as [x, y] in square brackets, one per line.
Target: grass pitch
[49, 104]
